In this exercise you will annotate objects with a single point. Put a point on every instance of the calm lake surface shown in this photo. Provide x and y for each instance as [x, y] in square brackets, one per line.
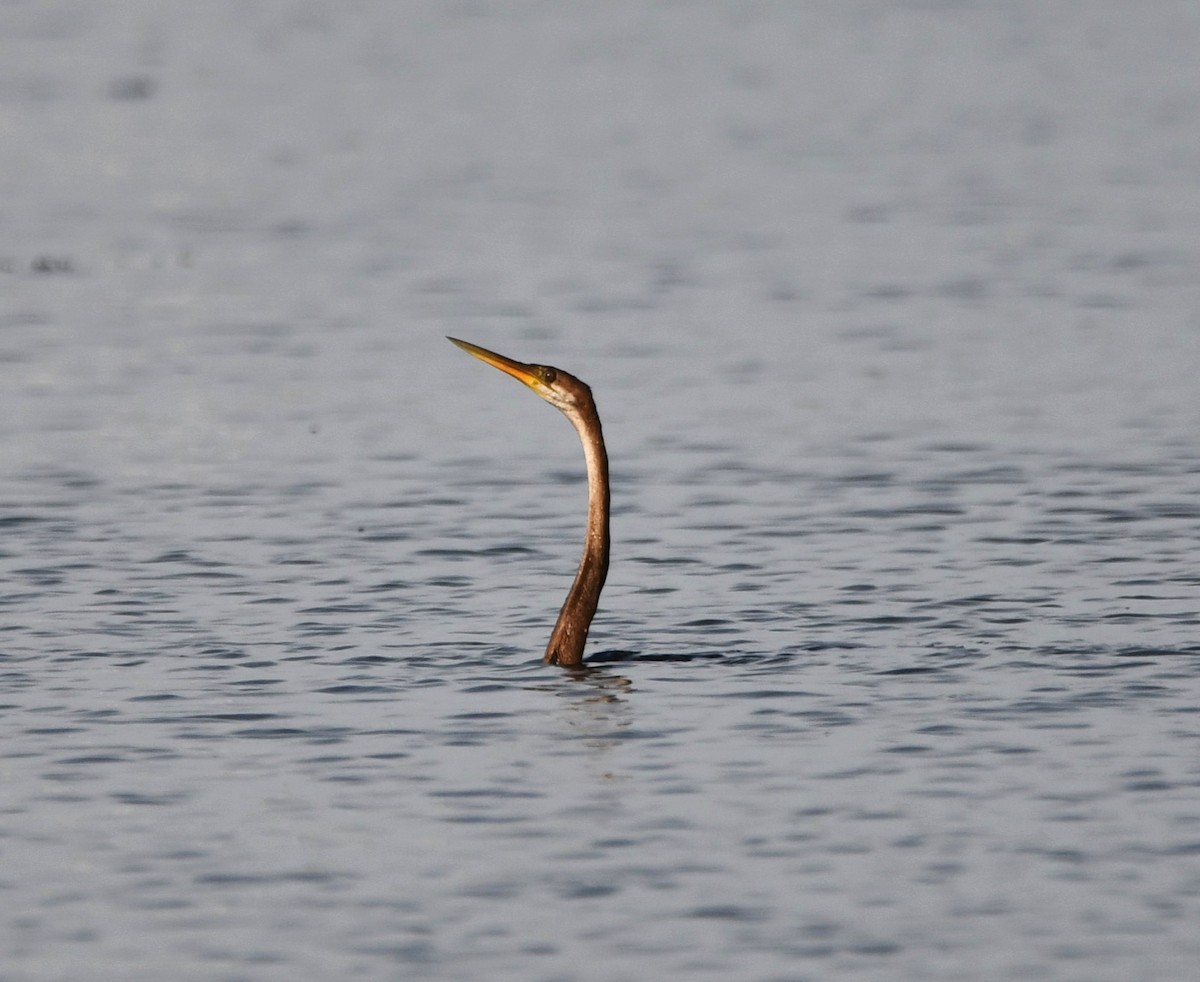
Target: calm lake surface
[892, 312]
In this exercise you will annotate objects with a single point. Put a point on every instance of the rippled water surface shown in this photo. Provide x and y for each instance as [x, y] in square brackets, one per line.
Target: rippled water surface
[892, 312]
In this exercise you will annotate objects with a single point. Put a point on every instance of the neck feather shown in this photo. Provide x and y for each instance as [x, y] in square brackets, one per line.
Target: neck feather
[570, 633]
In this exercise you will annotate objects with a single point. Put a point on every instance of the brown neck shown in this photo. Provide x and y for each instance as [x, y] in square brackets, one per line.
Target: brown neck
[569, 637]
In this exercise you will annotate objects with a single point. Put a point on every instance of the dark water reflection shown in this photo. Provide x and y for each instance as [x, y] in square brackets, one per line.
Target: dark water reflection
[897, 671]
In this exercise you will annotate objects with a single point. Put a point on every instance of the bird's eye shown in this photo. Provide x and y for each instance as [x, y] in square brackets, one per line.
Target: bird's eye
[547, 374]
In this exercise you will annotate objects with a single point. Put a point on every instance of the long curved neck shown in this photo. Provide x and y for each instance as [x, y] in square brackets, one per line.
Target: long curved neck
[569, 637]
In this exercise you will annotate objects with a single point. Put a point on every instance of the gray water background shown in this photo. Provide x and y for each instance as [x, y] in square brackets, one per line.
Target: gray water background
[892, 311]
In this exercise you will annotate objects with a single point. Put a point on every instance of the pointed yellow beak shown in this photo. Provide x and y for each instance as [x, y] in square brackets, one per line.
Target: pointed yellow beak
[517, 369]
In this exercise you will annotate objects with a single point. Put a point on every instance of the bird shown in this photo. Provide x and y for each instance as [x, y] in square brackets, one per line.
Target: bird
[574, 398]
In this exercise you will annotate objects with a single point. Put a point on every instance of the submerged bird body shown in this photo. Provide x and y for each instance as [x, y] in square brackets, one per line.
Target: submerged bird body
[573, 397]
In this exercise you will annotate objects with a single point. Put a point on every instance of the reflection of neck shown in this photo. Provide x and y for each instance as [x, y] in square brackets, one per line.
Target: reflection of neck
[569, 637]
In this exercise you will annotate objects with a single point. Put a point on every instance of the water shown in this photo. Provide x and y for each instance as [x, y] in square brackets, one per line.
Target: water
[891, 314]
